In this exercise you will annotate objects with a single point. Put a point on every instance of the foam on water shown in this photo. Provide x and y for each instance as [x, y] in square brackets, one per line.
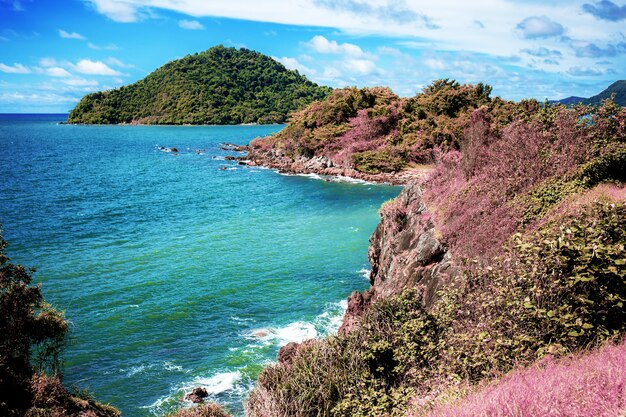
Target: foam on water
[365, 273]
[216, 384]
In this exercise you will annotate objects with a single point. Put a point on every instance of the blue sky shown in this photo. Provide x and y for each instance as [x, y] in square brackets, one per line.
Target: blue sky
[52, 52]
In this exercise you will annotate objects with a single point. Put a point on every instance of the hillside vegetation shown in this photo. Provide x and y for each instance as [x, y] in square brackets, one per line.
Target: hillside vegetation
[616, 91]
[530, 202]
[373, 130]
[218, 86]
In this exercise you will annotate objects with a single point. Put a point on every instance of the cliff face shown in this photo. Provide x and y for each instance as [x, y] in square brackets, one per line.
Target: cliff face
[405, 251]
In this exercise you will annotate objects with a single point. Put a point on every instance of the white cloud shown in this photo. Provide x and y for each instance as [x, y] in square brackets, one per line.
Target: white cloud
[56, 72]
[190, 24]
[117, 63]
[294, 64]
[359, 66]
[323, 46]
[48, 62]
[14, 69]
[579, 71]
[36, 98]
[87, 66]
[109, 47]
[118, 10]
[70, 35]
[80, 82]
[331, 72]
[436, 64]
[540, 27]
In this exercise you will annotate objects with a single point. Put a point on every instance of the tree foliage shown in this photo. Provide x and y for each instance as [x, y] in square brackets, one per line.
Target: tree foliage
[373, 130]
[31, 337]
[218, 86]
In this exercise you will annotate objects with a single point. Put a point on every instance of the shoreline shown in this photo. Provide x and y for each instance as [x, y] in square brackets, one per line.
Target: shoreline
[324, 167]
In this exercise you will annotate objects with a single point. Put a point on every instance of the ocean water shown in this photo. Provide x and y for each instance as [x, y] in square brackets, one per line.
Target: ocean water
[177, 270]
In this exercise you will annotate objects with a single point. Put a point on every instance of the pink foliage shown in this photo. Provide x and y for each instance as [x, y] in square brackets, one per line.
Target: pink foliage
[366, 134]
[581, 386]
[473, 191]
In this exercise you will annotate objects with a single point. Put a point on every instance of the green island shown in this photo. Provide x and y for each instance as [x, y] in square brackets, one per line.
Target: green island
[221, 86]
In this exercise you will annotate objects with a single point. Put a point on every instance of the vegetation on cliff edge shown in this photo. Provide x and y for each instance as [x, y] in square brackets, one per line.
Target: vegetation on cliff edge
[373, 130]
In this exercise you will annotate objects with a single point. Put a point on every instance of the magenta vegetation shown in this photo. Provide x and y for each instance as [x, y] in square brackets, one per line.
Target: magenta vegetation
[580, 386]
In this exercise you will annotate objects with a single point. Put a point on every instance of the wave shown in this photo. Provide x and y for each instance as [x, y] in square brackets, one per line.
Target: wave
[365, 273]
[218, 384]
[322, 325]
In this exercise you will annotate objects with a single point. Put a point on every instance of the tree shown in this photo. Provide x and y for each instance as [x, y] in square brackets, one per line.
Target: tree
[31, 335]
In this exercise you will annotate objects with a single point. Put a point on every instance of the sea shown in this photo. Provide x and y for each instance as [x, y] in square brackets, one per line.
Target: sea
[179, 269]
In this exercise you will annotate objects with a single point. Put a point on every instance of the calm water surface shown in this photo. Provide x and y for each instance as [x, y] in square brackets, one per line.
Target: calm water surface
[177, 271]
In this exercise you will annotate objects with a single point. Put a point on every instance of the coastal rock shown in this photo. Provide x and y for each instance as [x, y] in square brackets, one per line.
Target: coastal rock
[277, 159]
[197, 395]
[405, 251]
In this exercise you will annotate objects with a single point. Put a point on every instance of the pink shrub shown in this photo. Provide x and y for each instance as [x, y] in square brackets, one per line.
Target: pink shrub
[475, 193]
[366, 133]
[581, 386]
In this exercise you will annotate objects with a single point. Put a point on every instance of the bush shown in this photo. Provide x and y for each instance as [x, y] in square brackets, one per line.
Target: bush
[578, 386]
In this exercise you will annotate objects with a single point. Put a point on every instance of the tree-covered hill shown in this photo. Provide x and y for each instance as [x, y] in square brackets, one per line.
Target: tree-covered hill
[218, 86]
[618, 89]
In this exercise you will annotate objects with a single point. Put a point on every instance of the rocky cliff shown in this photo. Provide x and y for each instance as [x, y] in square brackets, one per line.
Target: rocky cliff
[406, 251]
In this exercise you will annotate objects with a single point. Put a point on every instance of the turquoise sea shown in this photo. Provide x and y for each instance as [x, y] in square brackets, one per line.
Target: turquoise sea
[177, 270]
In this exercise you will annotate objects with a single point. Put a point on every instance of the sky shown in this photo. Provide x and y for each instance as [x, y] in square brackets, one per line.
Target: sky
[52, 52]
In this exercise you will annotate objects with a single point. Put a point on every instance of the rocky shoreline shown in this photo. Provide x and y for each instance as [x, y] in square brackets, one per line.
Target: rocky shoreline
[321, 165]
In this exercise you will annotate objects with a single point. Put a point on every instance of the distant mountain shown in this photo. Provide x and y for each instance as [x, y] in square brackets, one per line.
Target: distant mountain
[618, 88]
[218, 86]
[570, 100]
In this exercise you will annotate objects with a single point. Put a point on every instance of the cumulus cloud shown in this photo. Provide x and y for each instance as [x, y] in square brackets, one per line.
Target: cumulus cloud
[190, 24]
[14, 69]
[591, 50]
[118, 11]
[540, 27]
[56, 72]
[584, 71]
[117, 63]
[294, 64]
[70, 35]
[322, 45]
[109, 47]
[606, 10]
[80, 82]
[543, 52]
[87, 66]
[359, 66]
